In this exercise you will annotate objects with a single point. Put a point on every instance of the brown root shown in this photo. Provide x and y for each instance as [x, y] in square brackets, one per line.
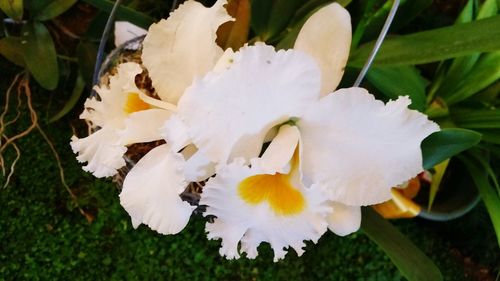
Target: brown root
[23, 88]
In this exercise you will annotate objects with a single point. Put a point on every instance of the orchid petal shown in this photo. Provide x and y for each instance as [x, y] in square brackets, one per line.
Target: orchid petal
[176, 133]
[198, 168]
[359, 148]
[344, 220]
[261, 89]
[144, 126]
[151, 192]
[237, 221]
[278, 154]
[178, 49]
[326, 36]
[125, 31]
[109, 109]
[102, 152]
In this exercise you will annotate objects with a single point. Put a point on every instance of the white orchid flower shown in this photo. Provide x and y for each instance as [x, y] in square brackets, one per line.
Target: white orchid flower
[175, 52]
[351, 148]
[120, 117]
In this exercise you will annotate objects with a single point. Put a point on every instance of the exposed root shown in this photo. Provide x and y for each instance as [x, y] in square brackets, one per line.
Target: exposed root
[61, 174]
[12, 165]
[4, 125]
[23, 88]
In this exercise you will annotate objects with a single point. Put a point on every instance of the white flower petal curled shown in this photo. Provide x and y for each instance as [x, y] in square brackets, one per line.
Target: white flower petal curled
[108, 110]
[326, 36]
[344, 220]
[104, 149]
[243, 226]
[144, 126]
[229, 113]
[151, 192]
[259, 204]
[276, 158]
[176, 133]
[359, 148]
[101, 150]
[178, 49]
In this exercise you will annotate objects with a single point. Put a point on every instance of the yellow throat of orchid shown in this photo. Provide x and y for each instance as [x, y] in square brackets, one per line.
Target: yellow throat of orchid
[134, 103]
[278, 190]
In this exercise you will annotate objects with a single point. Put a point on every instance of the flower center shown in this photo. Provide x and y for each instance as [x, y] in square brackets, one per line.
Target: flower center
[134, 103]
[276, 189]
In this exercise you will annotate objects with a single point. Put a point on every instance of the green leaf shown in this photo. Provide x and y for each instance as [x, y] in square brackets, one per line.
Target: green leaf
[400, 81]
[12, 8]
[280, 16]
[467, 13]
[86, 53]
[10, 48]
[477, 119]
[462, 66]
[261, 11]
[270, 18]
[54, 9]
[408, 11]
[434, 45]
[75, 96]
[40, 55]
[479, 157]
[437, 177]
[446, 143]
[491, 136]
[485, 72]
[410, 260]
[490, 197]
[488, 9]
[123, 13]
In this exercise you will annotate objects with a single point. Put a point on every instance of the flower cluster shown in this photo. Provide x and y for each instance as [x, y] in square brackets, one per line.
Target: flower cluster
[283, 156]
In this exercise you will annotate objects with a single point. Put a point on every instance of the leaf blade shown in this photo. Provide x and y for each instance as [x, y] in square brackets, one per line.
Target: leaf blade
[446, 143]
[434, 45]
[410, 260]
[54, 9]
[124, 13]
[486, 191]
[399, 81]
[10, 48]
[40, 55]
[12, 8]
[75, 96]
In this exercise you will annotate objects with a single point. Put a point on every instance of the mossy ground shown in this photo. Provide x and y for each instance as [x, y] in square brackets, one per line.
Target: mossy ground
[43, 236]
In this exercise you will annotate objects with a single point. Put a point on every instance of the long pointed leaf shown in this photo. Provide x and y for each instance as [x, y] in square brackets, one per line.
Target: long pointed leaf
[75, 96]
[54, 9]
[477, 119]
[485, 72]
[124, 13]
[434, 45]
[486, 191]
[410, 260]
